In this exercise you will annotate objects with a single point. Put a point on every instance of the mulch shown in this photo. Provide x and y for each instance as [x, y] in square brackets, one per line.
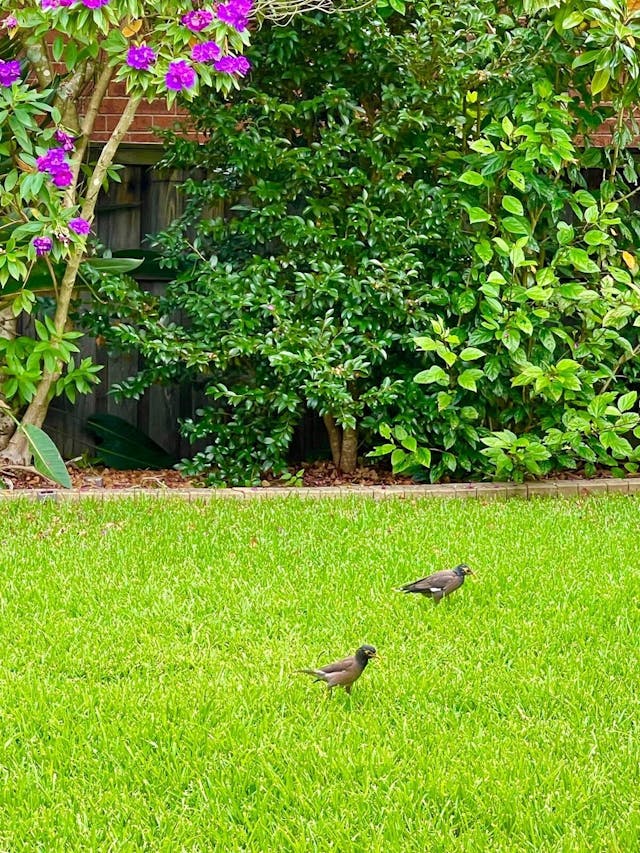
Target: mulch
[99, 478]
[321, 474]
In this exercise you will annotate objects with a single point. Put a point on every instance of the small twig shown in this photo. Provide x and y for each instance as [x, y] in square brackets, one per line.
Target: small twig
[624, 358]
[156, 480]
[52, 273]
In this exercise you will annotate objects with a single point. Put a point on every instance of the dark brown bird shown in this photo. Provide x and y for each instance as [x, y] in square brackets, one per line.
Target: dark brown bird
[440, 584]
[343, 673]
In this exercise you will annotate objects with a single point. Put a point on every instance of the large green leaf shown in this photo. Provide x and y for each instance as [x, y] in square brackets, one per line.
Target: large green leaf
[46, 459]
[149, 263]
[114, 266]
[122, 446]
[600, 80]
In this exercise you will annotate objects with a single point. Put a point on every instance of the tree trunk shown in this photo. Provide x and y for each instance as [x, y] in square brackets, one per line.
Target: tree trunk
[349, 455]
[343, 443]
[18, 451]
[8, 329]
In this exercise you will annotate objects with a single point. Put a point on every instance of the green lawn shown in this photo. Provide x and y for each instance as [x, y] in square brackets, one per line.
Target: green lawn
[148, 698]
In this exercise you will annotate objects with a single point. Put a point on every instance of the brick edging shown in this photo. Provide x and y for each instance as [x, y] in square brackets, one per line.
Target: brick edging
[480, 491]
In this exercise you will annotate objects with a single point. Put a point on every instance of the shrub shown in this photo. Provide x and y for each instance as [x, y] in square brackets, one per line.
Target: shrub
[387, 180]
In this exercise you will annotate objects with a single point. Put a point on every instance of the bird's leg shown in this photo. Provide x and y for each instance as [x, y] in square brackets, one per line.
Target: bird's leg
[347, 689]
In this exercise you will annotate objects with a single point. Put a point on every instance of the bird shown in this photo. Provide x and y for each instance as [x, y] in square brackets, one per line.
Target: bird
[440, 584]
[343, 673]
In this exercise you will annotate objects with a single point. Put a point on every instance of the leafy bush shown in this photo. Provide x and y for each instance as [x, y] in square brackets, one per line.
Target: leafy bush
[524, 355]
[388, 180]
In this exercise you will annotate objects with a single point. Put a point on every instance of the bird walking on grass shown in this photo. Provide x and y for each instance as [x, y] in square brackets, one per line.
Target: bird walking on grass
[343, 673]
[440, 584]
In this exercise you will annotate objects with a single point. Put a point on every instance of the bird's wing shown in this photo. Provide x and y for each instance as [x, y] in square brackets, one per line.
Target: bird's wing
[344, 677]
[432, 583]
[452, 583]
[339, 665]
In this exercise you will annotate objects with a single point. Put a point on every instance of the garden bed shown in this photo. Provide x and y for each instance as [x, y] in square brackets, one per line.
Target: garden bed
[99, 478]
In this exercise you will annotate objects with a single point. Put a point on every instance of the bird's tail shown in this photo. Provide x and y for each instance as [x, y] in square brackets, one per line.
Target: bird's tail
[320, 676]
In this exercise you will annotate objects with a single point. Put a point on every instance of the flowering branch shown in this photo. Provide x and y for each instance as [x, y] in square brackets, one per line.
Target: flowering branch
[157, 49]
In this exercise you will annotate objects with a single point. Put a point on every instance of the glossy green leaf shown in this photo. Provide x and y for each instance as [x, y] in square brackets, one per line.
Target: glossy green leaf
[513, 205]
[600, 80]
[627, 401]
[46, 458]
[517, 179]
[472, 178]
[434, 374]
[471, 353]
[468, 379]
[482, 146]
[477, 214]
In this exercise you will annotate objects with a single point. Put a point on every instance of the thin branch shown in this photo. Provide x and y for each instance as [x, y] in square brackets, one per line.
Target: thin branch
[624, 358]
[52, 273]
[86, 129]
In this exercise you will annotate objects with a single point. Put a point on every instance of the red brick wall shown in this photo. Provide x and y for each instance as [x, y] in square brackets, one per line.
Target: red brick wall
[149, 115]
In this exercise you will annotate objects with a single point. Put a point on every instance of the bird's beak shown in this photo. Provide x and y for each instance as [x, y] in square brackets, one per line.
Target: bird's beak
[375, 657]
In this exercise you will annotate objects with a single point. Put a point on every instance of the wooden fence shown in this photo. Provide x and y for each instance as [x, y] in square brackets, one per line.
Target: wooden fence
[144, 203]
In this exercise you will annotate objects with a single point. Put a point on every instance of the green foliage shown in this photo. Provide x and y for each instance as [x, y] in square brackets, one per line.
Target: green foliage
[124, 447]
[410, 206]
[337, 243]
[547, 320]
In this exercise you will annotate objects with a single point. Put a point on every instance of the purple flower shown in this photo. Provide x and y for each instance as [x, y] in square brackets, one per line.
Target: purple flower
[48, 5]
[62, 176]
[80, 226]
[56, 164]
[94, 4]
[10, 22]
[9, 72]
[50, 161]
[208, 51]
[180, 76]
[235, 13]
[65, 139]
[233, 65]
[197, 20]
[42, 245]
[141, 57]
